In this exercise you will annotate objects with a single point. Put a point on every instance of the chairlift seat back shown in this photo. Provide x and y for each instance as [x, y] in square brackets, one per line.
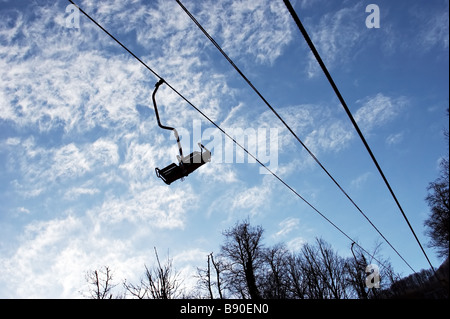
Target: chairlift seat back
[186, 166]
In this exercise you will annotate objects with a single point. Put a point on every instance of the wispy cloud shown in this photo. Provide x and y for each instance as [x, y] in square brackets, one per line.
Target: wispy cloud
[42, 168]
[332, 137]
[39, 250]
[359, 181]
[23, 210]
[251, 199]
[257, 30]
[76, 192]
[434, 26]
[158, 206]
[54, 255]
[378, 110]
[394, 138]
[287, 225]
[437, 31]
[296, 244]
[336, 38]
[219, 173]
[140, 161]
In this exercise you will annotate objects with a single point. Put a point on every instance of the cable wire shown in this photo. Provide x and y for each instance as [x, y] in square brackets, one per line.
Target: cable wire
[347, 110]
[230, 137]
[287, 126]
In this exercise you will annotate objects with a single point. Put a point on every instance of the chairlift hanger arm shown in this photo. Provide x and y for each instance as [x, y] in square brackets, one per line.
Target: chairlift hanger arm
[175, 132]
[157, 85]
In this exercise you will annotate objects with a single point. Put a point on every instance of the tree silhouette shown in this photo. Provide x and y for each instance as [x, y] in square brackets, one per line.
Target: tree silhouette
[245, 268]
[243, 248]
[160, 282]
[100, 283]
[438, 223]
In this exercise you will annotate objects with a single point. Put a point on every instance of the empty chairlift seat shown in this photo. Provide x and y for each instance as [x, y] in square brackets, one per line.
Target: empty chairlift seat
[186, 166]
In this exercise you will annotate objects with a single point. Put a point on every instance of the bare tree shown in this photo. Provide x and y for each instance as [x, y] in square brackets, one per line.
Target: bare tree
[204, 278]
[100, 283]
[243, 248]
[160, 282]
[246, 269]
[438, 223]
[356, 275]
[210, 278]
[311, 267]
[334, 270]
[219, 267]
[355, 268]
[324, 271]
[138, 291]
[317, 272]
[297, 277]
[275, 284]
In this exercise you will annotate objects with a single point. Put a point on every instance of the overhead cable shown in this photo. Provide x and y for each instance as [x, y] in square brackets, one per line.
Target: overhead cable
[287, 126]
[347, 110]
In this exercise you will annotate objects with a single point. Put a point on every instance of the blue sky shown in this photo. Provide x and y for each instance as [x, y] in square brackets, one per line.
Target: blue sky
[79, 139]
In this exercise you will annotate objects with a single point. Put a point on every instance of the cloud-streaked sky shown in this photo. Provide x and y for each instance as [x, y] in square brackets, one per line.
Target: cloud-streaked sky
[79, 140]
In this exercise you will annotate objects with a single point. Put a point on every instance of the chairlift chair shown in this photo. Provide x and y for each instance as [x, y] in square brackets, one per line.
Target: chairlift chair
[186, 164]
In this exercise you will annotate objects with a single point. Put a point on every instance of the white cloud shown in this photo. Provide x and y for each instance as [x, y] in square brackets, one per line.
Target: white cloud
[155, 206]
[219, 172]
[295, 244]
[331, 137]
[286, 226]
[41, 167]
[183, 264]
[394, 138]
[259, 30]
[434, 31]
[65, 97]
[76, 192]
[140, 161]
[359, 181]
[12, 141]
[318, 130]
[68, 162]
[252, 199]
[378, 110]
[26, 272]
[55, 79]
[10, 25]
[195, 254]
[23, 210]
[104, 152]
[336, 38]
[53, 256]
